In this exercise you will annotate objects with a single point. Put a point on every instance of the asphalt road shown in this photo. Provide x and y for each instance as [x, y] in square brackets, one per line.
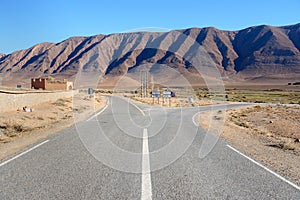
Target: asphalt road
[129, 152]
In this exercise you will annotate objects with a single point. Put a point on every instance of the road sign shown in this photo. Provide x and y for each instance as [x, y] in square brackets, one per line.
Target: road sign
[90, 91]
[155, 94]
[166, 94]
[190, 99]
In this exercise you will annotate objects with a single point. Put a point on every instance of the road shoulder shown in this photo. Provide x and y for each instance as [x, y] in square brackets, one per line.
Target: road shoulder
[258, 132]
[46, 119]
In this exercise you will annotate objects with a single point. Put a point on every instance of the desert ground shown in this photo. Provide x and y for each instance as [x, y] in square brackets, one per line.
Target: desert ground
[269, 133]
[202, 97]
[173, 102]
[19, 129]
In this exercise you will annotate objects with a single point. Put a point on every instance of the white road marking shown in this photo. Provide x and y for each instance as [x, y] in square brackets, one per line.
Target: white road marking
[146, 173]
[193, 118]
[270, 171]
[95, 115]
[21, 154]
[136, 107]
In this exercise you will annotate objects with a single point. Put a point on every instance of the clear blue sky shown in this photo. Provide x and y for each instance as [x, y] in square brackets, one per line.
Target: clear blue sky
[26, 23]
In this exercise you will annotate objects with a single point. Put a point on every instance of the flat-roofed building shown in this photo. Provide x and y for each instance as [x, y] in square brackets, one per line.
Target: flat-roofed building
[51, 84]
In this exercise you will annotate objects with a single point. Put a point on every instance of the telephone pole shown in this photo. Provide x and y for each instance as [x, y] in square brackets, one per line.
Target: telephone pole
[144, 83]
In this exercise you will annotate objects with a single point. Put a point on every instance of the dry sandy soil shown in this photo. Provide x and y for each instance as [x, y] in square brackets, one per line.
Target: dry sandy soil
[19, 129]
[268, 133]
[174, 102]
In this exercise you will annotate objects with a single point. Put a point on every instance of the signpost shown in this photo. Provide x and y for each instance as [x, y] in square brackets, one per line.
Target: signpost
[167, 95]
[155, 94]
[191, 100]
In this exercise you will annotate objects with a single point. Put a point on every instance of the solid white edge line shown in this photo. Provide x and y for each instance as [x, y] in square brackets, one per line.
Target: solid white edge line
[146, 172]
[21, 154]
[260, 165]
[193, 118]
[95, 115]
[136, 107]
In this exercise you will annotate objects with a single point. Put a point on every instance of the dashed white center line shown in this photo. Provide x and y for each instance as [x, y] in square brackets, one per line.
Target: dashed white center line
[146, 173]
[21, 154]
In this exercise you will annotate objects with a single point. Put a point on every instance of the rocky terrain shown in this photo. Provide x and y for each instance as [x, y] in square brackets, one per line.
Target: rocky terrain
[260, 54]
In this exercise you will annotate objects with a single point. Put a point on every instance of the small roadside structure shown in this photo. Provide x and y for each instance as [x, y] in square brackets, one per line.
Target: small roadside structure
[51, 84]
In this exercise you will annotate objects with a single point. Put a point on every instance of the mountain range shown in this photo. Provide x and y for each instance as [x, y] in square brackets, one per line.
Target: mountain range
[259, 54]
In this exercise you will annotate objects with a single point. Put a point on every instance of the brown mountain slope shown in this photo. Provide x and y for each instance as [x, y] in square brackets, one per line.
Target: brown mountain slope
[265, 50]
[260, 53]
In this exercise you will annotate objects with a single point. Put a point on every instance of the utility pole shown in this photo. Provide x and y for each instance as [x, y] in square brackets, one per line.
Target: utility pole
[141, 84]
[144, 83]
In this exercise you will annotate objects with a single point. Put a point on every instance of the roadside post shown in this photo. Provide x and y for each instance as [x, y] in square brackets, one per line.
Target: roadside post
[155, 94]
[167, 95]
[90, 91]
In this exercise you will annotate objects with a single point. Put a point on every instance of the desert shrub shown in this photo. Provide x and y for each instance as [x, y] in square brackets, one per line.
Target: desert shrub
[288, 147]
[18, 128]
[217, 117]
[242, 124]
[60, 102]
[12, 129]
[258, 107]
[40, 118]
[259, 101]
[283, 146]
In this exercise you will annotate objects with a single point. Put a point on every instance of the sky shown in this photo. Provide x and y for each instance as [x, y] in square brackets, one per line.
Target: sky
[26, 23]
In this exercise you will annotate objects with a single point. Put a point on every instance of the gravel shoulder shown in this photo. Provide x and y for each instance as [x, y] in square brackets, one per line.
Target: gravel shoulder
[268, 133]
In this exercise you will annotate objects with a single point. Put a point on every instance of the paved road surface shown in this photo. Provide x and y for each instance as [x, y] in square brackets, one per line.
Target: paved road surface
[63, 168]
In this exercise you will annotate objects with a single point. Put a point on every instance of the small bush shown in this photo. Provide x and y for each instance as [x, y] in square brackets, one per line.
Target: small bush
[60, 102]
[18, 128]
[282, 146]
[242, 124]
[288, 147]
[259, 101]
[258, 107]
[40, 118]
[217, 117]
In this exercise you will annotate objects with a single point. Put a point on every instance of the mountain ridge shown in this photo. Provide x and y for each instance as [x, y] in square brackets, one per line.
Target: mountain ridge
[241, 55]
